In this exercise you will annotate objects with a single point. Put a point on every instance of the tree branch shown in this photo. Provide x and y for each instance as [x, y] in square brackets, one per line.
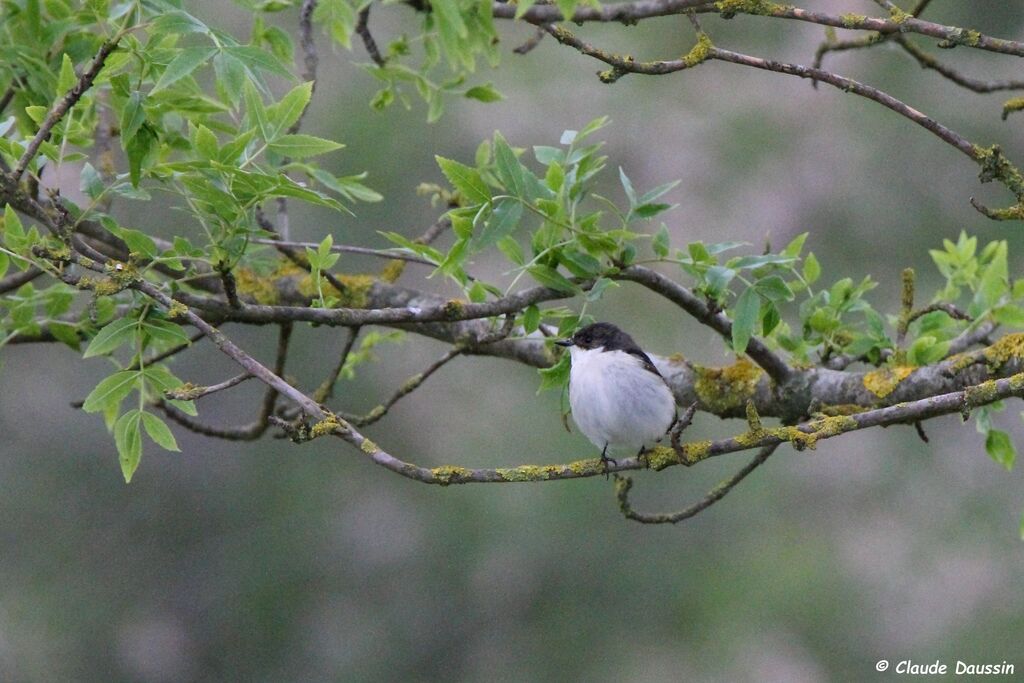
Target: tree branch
[624, 484]
[69, 100]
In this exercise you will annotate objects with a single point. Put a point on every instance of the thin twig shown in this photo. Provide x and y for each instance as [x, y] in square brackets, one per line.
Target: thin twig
[325, 391]
[532, 42]
[69, 100]
[363, 30]
[949, 309]
[347, 249]
[192, 393]
[15, 280]
[977, 85]
[419, 378]
[409, 386]
[624, 484]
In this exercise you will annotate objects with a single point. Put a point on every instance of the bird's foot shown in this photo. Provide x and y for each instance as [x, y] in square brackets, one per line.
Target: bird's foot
[605, 460]
[641, 455]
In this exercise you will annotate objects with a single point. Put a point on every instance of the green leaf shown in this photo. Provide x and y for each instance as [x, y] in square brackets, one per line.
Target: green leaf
[252, 56]
[812, 269]
[994, 282]
[205, 143]
[159, 432]
[660, 244]
[138, 148]
[121, 331]
[186, 61]
[510, 171]
[37, 112]
[110, 391]
[717, 279]
[165, 331]
[132, 117]
[627, 186]
[300, 146]
[531, 319]
[128, 440]
[650, 210]
[257, 111]
[178, 21]
[794, 248]
[286, 112]
[91, 184]
[512, 251]
[503, 221]
[65, 333]
[600, 285]
[67, 78]
[770, 319]
[774, 288]
[556, 376]
[699, 253]
[1000, 447]
[745, 316]
[548, 155]
[484, 93]
[549, 277]
[466, 180]
[579, 263]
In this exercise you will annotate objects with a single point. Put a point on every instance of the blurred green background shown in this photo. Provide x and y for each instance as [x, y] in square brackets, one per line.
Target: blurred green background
[272, 562]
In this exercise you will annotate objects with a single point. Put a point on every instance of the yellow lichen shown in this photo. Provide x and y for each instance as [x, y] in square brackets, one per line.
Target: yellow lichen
[726, 389]
[177, 309]
[356, 289]
[817, 429]
[530, 472]
[1011, 105]
[898, 15]
[961, 361]
[979, 395]
[729, 8]
[699, 52]
[852, 20]
[392, 271]
[259, 288]
[841, 409]
[585, 467]
[677, 358]
[1006, 349]
[660, 457]
[328, 425]
[447, 473]
[368, 447]
[453, 308]
[186, 392]
[883, 381]
[107, 286]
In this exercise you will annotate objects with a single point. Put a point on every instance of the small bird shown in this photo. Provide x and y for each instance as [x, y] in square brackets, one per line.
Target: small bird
[619, 399]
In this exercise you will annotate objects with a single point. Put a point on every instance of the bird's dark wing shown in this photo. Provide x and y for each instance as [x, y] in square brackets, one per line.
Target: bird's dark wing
[644, 359]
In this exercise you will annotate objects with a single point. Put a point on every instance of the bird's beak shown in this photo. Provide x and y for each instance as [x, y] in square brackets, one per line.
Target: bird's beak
[564, 342]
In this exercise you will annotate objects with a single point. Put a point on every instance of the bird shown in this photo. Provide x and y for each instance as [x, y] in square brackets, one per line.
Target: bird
[619, 400]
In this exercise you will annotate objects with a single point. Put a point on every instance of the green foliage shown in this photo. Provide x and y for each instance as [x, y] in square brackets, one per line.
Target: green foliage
[455, 35]
[998, 443]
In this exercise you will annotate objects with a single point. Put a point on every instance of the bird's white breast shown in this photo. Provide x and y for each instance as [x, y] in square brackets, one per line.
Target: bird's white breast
[616, 401]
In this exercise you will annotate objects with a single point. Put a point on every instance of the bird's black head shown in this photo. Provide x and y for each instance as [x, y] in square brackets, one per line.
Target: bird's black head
[600, 335]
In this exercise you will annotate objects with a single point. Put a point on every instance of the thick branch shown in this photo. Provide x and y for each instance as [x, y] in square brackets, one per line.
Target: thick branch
[685, 299]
